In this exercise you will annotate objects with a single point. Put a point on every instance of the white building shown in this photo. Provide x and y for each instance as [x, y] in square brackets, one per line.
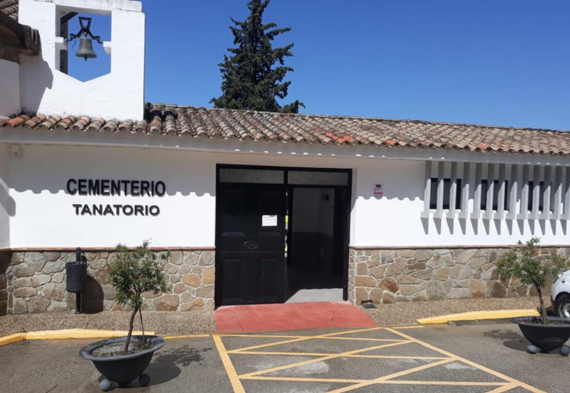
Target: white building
[379, 210]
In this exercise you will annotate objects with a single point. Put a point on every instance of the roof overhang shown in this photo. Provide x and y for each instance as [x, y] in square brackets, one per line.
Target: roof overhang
[232, 130]
[16, 39]
[60, 137]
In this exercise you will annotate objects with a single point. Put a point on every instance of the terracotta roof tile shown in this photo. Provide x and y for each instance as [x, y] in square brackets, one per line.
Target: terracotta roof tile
[10, 8]
[231, 124]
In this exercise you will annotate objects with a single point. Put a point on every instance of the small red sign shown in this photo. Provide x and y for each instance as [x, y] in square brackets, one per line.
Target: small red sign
[378, 190]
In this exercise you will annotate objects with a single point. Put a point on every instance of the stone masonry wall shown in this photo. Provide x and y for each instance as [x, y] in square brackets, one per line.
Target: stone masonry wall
[389, 276]
[35, 283]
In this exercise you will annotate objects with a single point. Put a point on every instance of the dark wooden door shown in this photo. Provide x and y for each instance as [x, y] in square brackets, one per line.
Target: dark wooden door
[251, 244]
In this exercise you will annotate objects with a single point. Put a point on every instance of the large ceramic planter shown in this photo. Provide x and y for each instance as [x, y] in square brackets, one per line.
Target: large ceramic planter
[546, 337]
[122, 369]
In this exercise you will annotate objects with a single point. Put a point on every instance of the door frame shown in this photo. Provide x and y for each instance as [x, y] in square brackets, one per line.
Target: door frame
[289, 189]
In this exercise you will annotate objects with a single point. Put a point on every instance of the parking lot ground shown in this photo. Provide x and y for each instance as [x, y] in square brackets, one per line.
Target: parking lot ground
[387, 360]
[439, 359]
[502, 348]
[182, 365]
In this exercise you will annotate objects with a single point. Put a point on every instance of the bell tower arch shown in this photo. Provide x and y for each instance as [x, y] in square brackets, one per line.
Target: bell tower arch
[45, 86]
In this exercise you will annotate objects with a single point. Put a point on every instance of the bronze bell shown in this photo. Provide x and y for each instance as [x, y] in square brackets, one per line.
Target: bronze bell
[86, 49]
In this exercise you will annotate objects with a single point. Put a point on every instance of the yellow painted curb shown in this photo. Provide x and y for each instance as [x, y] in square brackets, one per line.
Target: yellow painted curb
[13, 338]
[67, 334]
[478, 316]
[79, 333]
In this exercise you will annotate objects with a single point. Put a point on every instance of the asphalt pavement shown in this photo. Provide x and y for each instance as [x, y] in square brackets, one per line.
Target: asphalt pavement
[438, 359]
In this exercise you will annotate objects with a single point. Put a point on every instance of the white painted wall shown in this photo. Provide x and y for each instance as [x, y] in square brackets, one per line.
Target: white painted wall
[6, 203]
[119, 94]
[9, 88]
[45, 216]
[394, 220]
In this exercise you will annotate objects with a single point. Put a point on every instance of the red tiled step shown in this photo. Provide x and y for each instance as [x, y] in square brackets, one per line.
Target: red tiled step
[294, 316]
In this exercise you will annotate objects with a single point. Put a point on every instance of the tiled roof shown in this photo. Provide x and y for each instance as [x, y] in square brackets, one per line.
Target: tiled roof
[192, 121]
[10, 8]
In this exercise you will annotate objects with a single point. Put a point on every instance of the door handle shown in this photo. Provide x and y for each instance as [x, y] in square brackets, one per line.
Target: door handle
[251, 245]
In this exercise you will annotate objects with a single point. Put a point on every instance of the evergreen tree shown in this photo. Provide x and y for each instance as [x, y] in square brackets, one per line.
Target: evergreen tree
[250, 78]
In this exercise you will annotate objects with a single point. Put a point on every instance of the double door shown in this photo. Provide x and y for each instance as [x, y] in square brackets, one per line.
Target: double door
[251, 243]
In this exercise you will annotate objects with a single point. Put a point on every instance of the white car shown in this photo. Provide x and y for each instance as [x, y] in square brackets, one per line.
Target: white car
[560, 295]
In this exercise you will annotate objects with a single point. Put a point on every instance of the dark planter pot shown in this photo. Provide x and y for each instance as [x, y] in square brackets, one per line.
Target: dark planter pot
[545, 337]
[122, 369]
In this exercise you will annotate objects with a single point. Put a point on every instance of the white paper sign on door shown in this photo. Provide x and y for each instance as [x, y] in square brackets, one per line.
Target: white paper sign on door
[268, 221]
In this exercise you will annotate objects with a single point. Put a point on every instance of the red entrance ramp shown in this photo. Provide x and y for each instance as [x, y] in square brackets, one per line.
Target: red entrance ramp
[294, 316]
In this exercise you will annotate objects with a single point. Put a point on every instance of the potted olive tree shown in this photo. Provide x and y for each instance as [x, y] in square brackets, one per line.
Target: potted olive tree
[124, 359]
[524, 263]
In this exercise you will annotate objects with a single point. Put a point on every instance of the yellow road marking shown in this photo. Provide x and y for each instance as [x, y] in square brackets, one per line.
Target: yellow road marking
[260, 335]
[279, 353]
[267, 345]
[309, 337]
[345, 356]
[187, 336]
[499, 387]
[476, 365]
[504, 388]
[240, 350]
[328, 357]
[359, 339]
[392, 376]
[443, 383]
[302, 338]
[408, 327]
[293, 379]
[387, 382]
[230, 370]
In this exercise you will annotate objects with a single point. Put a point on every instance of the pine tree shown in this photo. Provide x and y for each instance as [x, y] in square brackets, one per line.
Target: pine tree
[250, 78]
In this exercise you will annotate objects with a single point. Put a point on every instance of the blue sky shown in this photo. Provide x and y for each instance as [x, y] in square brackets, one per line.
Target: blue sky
[494, 62]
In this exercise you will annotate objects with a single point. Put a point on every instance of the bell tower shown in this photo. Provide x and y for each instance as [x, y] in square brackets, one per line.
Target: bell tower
[45, 86]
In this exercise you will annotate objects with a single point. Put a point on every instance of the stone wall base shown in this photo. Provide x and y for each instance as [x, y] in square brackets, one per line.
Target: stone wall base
[35, 282]
[405, 275]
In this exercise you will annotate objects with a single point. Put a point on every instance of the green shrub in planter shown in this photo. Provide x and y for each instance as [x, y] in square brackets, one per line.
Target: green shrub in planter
[531, 269]
[133, 273]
